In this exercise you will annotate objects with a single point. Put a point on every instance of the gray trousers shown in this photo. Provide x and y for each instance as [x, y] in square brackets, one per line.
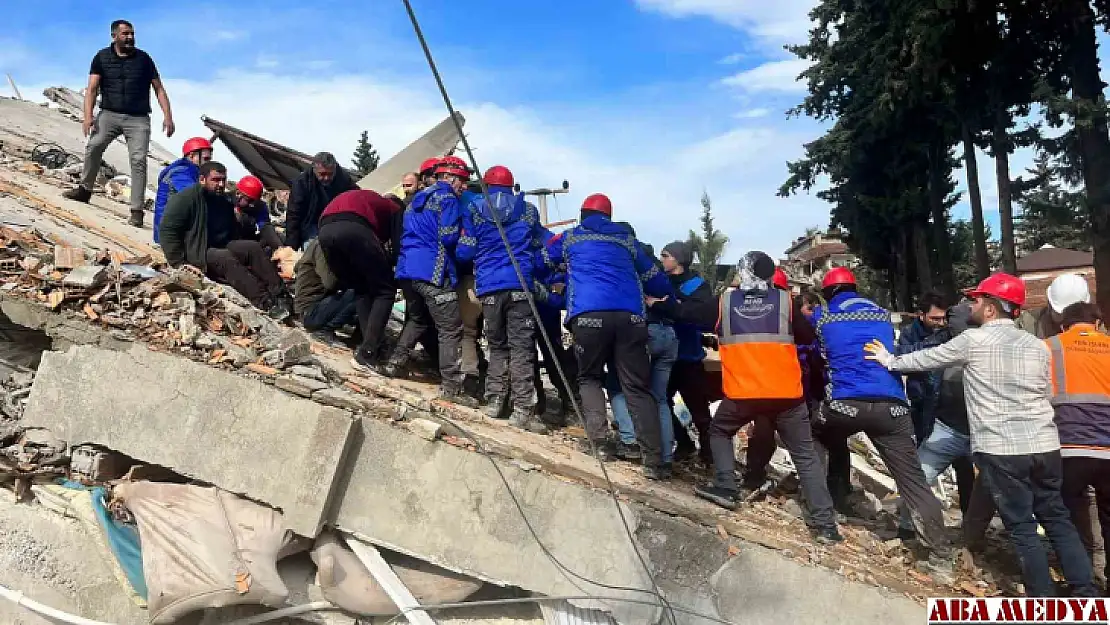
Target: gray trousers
[426, 305]
[136, 131]
[511, 333]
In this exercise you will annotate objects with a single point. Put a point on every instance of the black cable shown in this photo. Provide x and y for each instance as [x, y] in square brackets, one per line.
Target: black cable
[663, 603]
[433, 607]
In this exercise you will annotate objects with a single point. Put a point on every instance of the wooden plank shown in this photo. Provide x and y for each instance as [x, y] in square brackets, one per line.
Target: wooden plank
[392, 584]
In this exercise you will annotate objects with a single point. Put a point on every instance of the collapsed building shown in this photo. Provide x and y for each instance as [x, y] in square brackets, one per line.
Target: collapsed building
[139, 397]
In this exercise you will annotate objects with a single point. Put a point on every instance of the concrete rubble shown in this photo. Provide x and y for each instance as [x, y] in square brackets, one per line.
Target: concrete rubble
[164, 374]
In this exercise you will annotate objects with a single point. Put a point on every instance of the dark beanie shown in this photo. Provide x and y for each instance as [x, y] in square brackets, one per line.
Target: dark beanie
[763, 266]
[680, 252]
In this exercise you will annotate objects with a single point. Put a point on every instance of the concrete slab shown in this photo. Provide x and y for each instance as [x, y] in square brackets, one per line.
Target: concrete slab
[448, 506]
[230, 431]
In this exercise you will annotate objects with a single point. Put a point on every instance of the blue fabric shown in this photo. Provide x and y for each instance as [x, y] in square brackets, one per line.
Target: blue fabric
[174, 178]
[690, 348]
[123, 539]
[332, 312]
[429, 234]
[919, 386]
[663, 345]
[849, 322]
[607, 268]
[481, 242]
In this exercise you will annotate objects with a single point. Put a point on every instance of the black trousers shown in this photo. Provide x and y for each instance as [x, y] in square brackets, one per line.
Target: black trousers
[688, 378]
[511, 334]
[247, 268]
[431, 305]
[429, 340]
[357, 258]
[554, 329]
[620, 338]
[890, 428]
[1081, 474]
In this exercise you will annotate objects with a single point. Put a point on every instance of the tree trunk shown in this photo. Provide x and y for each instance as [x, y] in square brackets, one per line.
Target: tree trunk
[901, 284]
[1001, 146]
[1094, 143]
[978, 226]
[938, 175]
[920, 239]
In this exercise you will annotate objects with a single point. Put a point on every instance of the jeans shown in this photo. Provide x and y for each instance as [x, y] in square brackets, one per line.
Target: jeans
[940, 450]
[663, 346]
[136, 131]
[332, 312]
[1026, 489]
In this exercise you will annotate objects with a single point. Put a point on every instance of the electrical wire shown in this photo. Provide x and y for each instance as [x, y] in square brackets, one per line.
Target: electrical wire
[655, 590]
[519, 600]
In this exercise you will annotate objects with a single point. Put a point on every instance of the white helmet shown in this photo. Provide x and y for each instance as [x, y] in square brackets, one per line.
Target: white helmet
[1066, 290]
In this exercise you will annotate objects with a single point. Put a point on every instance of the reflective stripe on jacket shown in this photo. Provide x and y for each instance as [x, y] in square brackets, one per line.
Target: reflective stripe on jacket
[1081, 390]
[759, 359]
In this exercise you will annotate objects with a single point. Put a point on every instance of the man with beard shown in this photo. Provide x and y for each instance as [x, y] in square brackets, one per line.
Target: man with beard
[312, 191]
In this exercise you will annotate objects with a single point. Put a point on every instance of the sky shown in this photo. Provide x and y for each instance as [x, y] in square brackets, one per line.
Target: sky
[649, 101]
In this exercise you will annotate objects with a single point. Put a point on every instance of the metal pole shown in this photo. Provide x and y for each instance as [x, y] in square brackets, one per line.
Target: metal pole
[543, 208]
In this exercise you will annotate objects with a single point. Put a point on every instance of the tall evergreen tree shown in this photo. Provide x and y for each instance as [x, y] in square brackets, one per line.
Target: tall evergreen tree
[1051, 214]
[366, 158]
[709, 245]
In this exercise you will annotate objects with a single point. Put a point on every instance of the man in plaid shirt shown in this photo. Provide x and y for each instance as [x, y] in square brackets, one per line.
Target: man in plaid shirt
[1013, 436]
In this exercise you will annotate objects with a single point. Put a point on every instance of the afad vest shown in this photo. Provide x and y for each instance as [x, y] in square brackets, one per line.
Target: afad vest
[1081, 390]
[759, 359]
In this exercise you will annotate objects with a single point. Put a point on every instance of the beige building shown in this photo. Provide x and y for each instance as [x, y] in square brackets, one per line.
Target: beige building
[811, 256]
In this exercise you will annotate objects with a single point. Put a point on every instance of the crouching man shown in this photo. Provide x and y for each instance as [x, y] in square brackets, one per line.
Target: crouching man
[199, 229]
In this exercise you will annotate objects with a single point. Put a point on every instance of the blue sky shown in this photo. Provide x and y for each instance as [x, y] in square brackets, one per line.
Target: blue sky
[650, 101]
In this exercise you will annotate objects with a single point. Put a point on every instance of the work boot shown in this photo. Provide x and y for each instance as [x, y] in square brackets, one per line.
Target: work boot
[628, 451]
[754, 491]
[684, 451]
[495, 407]
[456, 396]
[327, 337]
[395, 368]
[827, 535]
[472, 386]
[136, 219]
[659, 472]
[346, 331]
[525, 420]
[79, 194]
[722, 497]
[606, 449]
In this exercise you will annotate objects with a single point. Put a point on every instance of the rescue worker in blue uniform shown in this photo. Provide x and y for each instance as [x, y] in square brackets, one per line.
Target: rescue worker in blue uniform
[426, 270]
[862, 396]
[180, 175]
[510, 327]
[548, 290]
[608, 276]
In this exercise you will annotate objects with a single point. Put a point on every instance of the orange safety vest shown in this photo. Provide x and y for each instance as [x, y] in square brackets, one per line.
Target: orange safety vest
[759, 359]
[1080, 366]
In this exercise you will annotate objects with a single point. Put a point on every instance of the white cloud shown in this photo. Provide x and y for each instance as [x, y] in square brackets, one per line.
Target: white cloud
[785, 21]
[655, 181]
[227, 35]
[753, 113]
[776, 76]
[732, 59]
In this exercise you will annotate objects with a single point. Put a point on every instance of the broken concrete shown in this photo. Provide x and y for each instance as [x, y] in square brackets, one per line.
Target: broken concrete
[224, 429]
[299, 385]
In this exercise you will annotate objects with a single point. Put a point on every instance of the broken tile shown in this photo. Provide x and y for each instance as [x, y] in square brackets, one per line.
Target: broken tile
[68, 257]
[86, 277]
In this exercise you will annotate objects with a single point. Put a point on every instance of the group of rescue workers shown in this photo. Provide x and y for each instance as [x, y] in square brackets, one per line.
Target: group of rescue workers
[1030, 410]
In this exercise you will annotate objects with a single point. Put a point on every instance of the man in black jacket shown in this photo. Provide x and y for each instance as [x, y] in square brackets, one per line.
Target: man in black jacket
[312, 191]
[199, 229]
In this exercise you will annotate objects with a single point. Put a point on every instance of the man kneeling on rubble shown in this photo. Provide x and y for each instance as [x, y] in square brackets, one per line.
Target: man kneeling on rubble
[199, 229]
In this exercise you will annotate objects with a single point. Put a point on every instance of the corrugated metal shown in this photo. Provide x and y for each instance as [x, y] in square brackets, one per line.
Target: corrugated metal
[563, 613]
[275, 164]
[436, 142]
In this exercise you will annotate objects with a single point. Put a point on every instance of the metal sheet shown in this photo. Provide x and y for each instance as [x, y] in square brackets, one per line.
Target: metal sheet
[436, 142]
[273, 163]
[563, 613]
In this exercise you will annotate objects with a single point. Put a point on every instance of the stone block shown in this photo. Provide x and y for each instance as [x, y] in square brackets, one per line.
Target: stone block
[299, 385]
[211, 425]
[343, 399]
[86, 276]
[309, 372]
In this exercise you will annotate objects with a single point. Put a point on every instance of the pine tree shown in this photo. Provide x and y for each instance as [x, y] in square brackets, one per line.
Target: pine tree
[710, 245]
[1051, 214]
[366, 158]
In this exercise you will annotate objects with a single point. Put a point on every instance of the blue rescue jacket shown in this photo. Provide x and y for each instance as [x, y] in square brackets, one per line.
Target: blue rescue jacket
[849, 322]
[607, 268]
[481, 243]
[690, 348]
[429, 234]
[174, 178]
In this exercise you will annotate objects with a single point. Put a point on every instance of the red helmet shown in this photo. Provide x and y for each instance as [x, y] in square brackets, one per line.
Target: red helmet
[780, 280]
[195, 144]
[250, 187]
[498, 175]
[429, 165]
[598, 202]
[838, 276]
[1003, 286]
[453, 165]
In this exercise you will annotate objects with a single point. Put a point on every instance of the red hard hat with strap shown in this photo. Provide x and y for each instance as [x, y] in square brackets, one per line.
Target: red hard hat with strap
[598, 202]
[250, 187]
[498, 175]
[429, 165]
[780, 280]
[453, 165]
[195, 144]
[838, 276]
[1003, 286]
